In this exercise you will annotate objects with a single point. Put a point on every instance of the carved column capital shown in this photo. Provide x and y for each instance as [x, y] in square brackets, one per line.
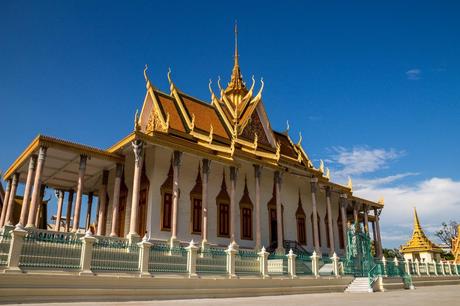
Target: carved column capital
[83, 159]
[233, 173]
[257, 170]
[105, 177]
[177, 157]
[343, 200]
[314, 184]
[119, 170]
[15, 179]
[42, 153]
[328, 191]
[33, 162]
[278, 177]
[138, 149]
[206, 166]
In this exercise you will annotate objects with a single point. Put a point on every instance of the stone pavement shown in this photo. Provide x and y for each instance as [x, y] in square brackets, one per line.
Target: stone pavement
[435, 295]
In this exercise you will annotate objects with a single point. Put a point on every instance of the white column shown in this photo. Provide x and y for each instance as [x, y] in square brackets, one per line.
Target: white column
[68, 213]
[366, 220]
[101, 222]
[343, 212]
[88, 211]
[233, 178]
[377, 229]
[14, 254]
[204, 202]
[279, 213]
[138, 148]
[314, 187]
[10, 208]
[60, 196]
[34, 201]
[27, 190]
[257, 172]
[80, 182]
[5, 202]
[329, 221]
[177, 156]
[116, 200]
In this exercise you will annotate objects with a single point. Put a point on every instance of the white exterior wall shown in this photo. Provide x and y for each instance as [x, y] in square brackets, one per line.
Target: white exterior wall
[157, 162]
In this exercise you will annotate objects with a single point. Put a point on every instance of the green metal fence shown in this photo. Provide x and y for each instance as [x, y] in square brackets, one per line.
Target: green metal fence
[166, 259]
[115, 255]
[247, 262]
[5, 242]
[51, 250]
[211, 261]
[303, 264]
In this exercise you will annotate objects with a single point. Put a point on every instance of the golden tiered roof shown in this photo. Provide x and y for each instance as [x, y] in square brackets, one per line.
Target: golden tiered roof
[456, 246]
[419, 241]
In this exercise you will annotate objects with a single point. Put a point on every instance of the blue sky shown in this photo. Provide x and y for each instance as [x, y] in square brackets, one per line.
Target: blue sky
[374, 87]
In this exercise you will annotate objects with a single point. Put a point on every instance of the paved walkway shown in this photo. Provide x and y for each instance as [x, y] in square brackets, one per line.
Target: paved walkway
[435, 295]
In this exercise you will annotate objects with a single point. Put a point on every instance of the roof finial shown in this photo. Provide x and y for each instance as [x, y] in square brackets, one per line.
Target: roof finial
[236, 43]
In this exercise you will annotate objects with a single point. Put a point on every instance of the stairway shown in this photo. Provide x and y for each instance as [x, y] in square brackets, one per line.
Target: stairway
[359, 285]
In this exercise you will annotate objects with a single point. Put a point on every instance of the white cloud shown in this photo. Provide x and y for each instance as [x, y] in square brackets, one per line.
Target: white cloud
[436, 199]
[414, 74]
[361, 160]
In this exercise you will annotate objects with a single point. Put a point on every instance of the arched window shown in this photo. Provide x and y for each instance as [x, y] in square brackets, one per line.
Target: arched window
[246, 214]
[301, 228]
[166, 200]
[195, 202]
[340, 230]
[318, 219]
[223, 210]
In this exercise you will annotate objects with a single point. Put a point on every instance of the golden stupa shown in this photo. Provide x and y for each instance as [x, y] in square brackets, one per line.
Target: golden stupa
[456, 246]
[419, 246]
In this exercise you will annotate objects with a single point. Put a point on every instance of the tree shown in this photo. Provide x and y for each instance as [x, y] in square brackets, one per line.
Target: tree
[447, 232]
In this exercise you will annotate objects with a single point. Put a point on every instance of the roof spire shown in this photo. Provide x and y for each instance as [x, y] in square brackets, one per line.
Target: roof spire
[236, 83]
[417, 226]
[236, 43]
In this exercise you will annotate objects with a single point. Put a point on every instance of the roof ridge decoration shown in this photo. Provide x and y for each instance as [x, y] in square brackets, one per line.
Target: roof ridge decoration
[419, 241]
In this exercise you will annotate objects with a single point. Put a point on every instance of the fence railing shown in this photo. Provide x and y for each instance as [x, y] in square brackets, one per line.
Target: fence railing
[46, 250]
[50, 251]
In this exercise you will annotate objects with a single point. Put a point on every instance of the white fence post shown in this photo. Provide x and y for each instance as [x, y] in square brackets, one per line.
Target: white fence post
[263, 262]
[192, 251]
[86, 253]
[417, 267]
[435, 267]
[427, 267]
[335, 264]
[315, 264]
[231, 252]
[17, 240]
[442, 268]
[384, 262]
[144, 256]
[291, 264]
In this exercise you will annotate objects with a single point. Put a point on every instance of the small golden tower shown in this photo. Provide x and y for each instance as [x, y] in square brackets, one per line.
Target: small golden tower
[456, 246]
[419, 246]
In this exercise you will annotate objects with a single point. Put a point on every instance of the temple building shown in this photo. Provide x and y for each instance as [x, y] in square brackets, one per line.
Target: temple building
[419, 247]
[215, 172]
